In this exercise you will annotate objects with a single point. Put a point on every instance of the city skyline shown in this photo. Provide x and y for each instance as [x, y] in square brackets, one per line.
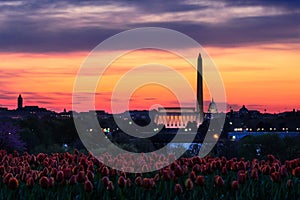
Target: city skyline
[255, 45]
[19, 105]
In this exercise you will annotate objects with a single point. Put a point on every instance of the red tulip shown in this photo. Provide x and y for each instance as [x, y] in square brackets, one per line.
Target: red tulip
[166, 176]
[110, 186]
[197, 168]
[67, 173]
[242, 165]
[241, 177]
[40, 157]
[53, 172]
[105, 181]
[224, 171]
[60, 176]
[44, 182]
[88, 186]
[193, 176]
[148, 183]
[289, 183]
[128, 183]
[178, 189]
[2, 170]
[254, 174]
[30, 182]
[81, 177]
[6, 177]
[90, 175]
[52, 182]
[200, 180]
[13, 183]
[275, 177]
[271, 158]
[283, 171]
[121, 182]
[296, 172]
[73, 180]
[178, 171]
[104, 171]
[189, 184]
[235, 185]
[273, 169]
[138, 181]
[218, 181]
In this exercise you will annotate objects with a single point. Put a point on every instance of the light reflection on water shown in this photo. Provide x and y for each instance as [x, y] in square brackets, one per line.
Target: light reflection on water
[172, 147]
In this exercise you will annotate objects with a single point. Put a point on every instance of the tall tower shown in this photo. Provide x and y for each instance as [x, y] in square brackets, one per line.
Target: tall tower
[20, 102]
[199, 103]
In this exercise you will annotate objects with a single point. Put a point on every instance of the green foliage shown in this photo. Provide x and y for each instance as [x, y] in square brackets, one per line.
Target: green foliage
[283, 148]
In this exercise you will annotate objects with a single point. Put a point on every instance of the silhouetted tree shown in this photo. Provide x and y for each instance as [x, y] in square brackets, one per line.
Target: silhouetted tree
[9, 137]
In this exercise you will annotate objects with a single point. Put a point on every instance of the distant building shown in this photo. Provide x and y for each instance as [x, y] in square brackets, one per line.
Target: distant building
[176, 117]
[212, 108]
[20, 102]
[243, 112]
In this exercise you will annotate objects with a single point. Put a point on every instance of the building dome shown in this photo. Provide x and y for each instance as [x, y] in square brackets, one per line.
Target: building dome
[212, 108]
[243, 110]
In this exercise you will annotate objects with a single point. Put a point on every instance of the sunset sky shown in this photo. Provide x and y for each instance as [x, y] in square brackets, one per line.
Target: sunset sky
[255, 45]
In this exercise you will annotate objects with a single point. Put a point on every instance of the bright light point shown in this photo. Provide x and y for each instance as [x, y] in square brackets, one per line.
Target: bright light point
[216, 136]
[130, 122]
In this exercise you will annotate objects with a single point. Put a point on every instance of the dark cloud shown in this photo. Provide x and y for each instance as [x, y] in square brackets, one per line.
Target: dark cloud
[290, 5]
[29, 28]
[158, 6]
[241, 31]
[30, 40]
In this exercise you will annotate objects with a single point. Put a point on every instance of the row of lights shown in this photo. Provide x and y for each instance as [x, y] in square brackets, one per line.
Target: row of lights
[262, 129]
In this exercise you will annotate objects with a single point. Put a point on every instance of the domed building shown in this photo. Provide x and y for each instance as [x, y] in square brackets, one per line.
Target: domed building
[212, 108]
[243, 112]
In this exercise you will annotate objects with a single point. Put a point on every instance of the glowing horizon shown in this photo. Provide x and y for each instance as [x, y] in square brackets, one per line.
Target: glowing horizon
[47, 80]
[255, 45]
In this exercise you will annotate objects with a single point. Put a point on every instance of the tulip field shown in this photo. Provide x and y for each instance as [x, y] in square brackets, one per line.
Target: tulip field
[82, 176]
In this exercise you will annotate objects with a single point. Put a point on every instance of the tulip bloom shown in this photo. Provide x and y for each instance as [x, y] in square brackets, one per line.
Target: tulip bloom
[110, 186]
[200, 180]
[289, 183]
[13, 183]
[121, 182]
[189, 184]
[44, 182]
[219, 181]
[88, 186]
[235, 185]
[29, 183]
[178, 189]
